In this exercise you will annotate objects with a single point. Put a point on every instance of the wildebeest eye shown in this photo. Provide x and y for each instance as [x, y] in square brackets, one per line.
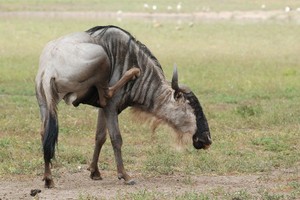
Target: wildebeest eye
[178, 96]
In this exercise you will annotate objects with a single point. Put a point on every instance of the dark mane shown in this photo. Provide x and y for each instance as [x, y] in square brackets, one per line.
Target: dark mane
[141, 46]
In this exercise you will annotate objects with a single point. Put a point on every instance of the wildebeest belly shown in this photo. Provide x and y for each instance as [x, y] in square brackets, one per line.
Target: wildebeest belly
[90, 97]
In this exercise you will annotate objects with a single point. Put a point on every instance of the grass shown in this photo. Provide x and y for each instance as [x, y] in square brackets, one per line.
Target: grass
[245, 75]
[250, 99]
[240, 194]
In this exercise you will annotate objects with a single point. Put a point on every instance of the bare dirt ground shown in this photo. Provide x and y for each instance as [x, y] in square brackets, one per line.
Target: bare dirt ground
[76, 185]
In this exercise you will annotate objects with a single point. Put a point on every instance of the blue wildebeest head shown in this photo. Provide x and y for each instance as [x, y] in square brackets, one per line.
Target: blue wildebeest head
[201, 137]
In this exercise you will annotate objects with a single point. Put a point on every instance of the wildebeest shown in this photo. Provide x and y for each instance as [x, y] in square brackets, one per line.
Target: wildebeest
[108, 68]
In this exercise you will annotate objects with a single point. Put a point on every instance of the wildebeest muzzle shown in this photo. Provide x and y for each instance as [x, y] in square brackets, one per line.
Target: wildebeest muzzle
[203, 141]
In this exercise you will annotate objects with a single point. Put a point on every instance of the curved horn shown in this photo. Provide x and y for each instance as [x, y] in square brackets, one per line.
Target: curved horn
[175, 79]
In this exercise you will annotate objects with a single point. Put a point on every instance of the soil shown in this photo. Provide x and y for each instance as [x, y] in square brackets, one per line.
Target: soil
[75, 185]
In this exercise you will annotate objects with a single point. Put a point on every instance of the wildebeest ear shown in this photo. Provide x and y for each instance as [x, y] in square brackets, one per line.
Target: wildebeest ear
[178, 95]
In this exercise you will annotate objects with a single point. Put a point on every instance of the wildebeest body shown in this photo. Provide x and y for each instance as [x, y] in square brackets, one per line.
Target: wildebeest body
[108, 68]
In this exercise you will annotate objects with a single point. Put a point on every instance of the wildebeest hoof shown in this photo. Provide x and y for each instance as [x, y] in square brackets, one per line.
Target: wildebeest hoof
[130, 182]
[95, 176]
[49, 183]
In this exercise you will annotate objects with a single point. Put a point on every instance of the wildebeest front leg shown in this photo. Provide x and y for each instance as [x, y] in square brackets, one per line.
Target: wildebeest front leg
[116, 141]
[99, 141]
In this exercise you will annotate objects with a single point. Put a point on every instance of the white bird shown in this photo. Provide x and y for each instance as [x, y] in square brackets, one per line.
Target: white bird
[179, 6]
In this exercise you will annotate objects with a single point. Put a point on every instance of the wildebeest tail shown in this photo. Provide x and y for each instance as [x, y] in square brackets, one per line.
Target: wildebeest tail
[50, 138]
[49, 117]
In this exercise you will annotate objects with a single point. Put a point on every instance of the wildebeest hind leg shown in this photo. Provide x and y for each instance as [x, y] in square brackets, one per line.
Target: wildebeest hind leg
[107, 93]
[129, 75]
[48, 176]
[99, 141]
[102, 97]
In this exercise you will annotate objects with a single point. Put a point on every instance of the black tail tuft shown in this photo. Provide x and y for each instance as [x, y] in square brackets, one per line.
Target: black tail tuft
[50, 137]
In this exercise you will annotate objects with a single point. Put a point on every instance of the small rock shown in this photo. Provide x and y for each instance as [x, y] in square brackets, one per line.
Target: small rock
[34, 192]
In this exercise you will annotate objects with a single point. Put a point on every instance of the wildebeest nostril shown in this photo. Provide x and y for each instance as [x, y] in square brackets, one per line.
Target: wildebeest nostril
[204, 141]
